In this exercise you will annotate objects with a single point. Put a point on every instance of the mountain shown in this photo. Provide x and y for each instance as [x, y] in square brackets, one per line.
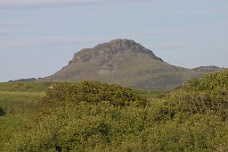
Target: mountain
[124, 62]
[207, 69]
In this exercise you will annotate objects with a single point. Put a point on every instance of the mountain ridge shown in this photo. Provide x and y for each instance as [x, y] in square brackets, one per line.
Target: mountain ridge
[207, 69]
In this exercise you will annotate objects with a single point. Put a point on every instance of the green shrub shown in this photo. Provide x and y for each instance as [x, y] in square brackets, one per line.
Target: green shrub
[104, 127]
[208, 94]
[91, 92]
[89, 116]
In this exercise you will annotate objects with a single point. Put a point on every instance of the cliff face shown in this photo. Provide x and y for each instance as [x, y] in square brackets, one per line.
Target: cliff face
[123, 62]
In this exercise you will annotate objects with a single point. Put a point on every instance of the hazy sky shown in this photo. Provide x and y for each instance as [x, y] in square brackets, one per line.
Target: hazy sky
[39, 37]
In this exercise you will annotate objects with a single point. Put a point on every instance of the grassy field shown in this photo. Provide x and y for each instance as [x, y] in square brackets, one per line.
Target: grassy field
[24, 86]
[18, 102]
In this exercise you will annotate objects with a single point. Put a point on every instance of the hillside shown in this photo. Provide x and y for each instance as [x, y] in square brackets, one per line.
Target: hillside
[123, 62]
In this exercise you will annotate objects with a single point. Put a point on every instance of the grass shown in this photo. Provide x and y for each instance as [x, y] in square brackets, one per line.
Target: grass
[16, 108]
[17, 105]
[24, 86]
[8, 125]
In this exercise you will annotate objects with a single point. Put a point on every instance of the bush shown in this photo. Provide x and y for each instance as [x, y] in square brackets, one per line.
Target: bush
[91, 92]
[103, 127]
[208, 94]
[2, 112]
[89, 116]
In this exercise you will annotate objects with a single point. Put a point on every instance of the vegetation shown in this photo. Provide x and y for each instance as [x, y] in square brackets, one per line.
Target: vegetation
[207, 95]
[23, 86]
[95, 116]
[24, 80]
[92, 92]
[15, 112]
[17, 105]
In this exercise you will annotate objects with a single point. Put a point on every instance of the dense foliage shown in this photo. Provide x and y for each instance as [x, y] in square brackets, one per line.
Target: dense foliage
[103, 127]
[91, 92]
[85, 117]
[208, 94]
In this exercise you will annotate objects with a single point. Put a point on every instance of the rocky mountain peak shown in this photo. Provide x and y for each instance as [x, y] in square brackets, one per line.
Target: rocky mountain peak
[116, 47]
[119, 44]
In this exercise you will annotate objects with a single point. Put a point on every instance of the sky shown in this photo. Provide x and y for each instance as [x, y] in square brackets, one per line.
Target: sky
[39, 37]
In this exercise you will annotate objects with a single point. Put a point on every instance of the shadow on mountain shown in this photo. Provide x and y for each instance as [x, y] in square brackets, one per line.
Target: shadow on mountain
[2, 112]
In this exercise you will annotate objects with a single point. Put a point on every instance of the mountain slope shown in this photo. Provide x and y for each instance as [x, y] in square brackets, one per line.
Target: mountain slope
[123, 62]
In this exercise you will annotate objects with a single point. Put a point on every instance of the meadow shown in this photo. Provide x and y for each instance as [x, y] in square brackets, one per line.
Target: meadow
[96, 116]
[17, 105]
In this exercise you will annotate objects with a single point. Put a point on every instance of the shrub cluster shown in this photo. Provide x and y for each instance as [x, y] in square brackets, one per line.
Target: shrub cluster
[89, 116]
[91, 92]
[103, 127]
[208, 94]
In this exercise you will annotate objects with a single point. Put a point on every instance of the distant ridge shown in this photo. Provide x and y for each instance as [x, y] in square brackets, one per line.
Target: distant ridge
[207, 69]
[124, 62]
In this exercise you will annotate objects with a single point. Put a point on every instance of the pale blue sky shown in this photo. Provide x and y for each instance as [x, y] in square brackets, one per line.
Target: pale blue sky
[39, 37]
